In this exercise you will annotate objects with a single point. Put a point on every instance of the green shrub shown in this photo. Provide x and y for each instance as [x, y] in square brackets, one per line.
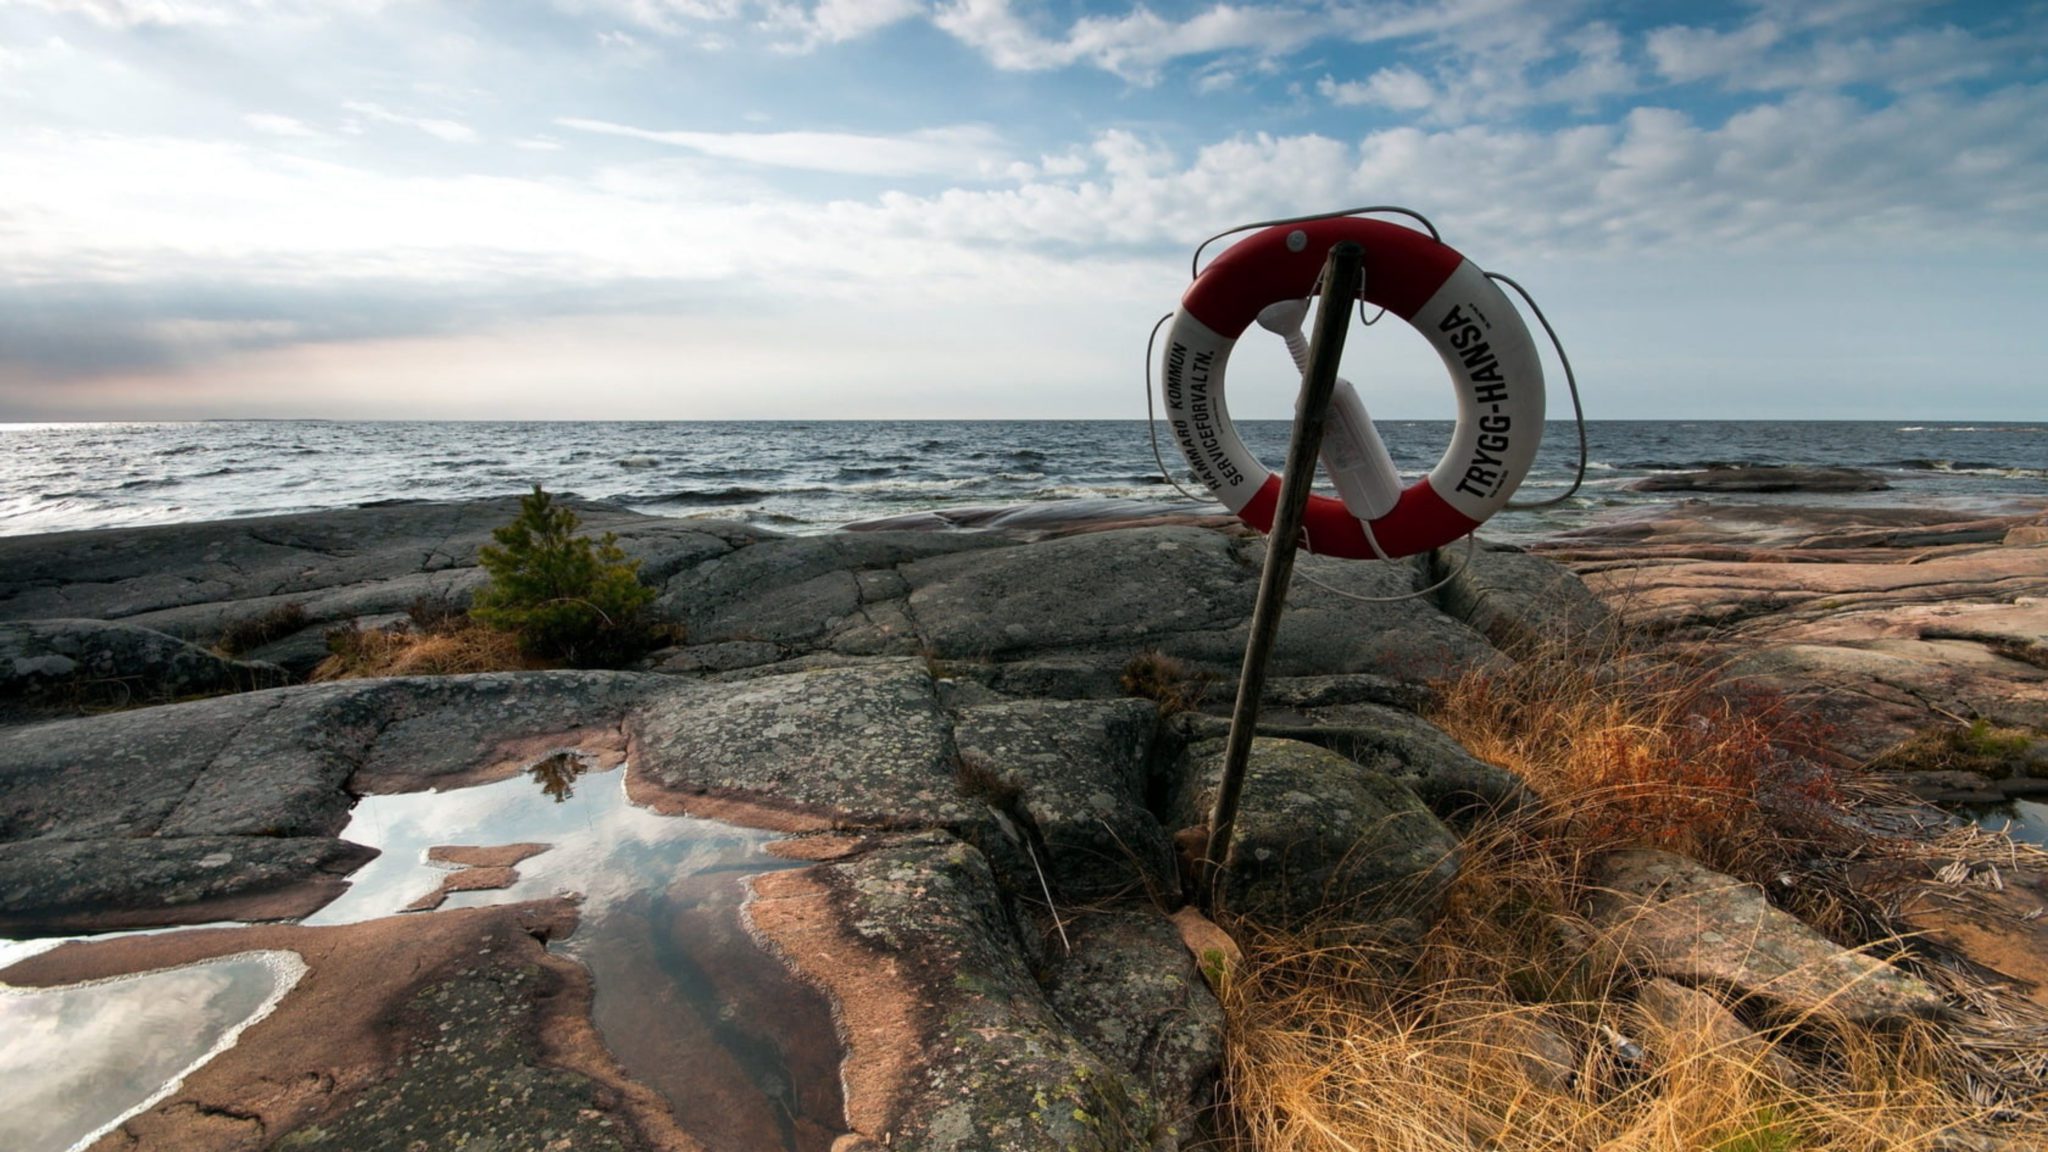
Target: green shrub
[1981, 748]
[562, 596]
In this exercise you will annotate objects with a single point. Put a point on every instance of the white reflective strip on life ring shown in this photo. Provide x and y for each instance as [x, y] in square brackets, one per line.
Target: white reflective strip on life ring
[1499, 379]
[1192, 380]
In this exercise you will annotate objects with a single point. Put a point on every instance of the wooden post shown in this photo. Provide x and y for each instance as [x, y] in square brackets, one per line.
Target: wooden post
[1339, 288]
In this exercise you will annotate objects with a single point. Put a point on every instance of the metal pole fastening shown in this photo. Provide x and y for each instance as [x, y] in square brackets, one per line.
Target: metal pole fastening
[1339, 287]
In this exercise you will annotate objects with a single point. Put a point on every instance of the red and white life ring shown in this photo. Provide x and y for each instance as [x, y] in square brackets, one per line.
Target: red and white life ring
[1465, 317]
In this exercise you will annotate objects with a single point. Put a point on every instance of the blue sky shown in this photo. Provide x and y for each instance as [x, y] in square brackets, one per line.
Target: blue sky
[966, 208]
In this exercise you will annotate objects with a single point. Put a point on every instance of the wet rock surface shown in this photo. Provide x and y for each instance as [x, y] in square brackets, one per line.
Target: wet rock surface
[156, 815]
[403, 1033]
[53, 886]
[911, 941]
[1993, 917]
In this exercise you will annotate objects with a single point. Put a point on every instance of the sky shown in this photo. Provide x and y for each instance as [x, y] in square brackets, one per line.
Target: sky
[869, 209]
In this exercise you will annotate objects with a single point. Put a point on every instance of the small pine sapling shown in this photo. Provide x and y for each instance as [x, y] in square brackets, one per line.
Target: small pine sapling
[563, 596]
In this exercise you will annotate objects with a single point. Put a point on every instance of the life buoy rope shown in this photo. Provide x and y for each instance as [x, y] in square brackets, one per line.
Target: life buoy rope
[1494, 366]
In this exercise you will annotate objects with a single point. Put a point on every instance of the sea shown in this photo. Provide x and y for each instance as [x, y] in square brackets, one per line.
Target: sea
[807, 477]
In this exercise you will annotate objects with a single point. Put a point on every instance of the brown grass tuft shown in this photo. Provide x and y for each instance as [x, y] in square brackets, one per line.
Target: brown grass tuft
[1167, 680]
[358, 653]
[1515, 1026]
[1636, 749]
[437, 614]
[252, 632]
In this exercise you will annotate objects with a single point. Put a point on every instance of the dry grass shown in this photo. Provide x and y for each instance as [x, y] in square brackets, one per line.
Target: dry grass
[1514, 1025]
[1513, 1028]
[358, 653]
[1654, 751]
[1166, 680]
[252, 632]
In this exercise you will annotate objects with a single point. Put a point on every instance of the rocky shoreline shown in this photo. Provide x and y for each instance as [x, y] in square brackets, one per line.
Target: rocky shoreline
[990, 895]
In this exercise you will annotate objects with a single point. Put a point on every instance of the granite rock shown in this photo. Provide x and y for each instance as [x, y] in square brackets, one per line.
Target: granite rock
[1679, 919]
[1319, 836]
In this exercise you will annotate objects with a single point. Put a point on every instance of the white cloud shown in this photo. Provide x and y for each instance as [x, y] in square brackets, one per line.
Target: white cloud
[170, 13]
[625, 48]
[1762, 55]
[665, 16]
[1487, 59]
[131, 13]
[452, 131]
[1402, 88]
[835, 21]
[272, 124]
[1816, 173]
[1600, 72]
[962, 151]
[1810, 172]
[1134, 46]
[990, 27]
[1686, 54]
[343, 273]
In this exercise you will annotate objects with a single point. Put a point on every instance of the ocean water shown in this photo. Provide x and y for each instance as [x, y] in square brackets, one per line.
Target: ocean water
[817, 476]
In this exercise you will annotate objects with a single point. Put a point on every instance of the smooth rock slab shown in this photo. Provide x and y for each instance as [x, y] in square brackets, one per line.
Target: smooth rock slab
[98, 663]
[1109, 588]
[55, 886]
[1323, 843]
[1680, 919]
[116, 775]
[272, 768]
[865, 745]
[1078, 769]
[788, 590]
[190, 579]
[950, 1043]
[1185, 591]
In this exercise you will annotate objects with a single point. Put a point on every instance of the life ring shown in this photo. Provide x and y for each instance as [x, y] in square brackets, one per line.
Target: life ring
[1449, 300]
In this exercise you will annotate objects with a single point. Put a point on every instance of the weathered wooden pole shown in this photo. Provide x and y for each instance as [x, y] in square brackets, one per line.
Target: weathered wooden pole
[1339, 288]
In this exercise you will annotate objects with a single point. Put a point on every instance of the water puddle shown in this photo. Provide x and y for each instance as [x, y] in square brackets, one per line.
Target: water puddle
[747, 1056]
[686, 1000]
[2023, 820]
[82, 1058]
